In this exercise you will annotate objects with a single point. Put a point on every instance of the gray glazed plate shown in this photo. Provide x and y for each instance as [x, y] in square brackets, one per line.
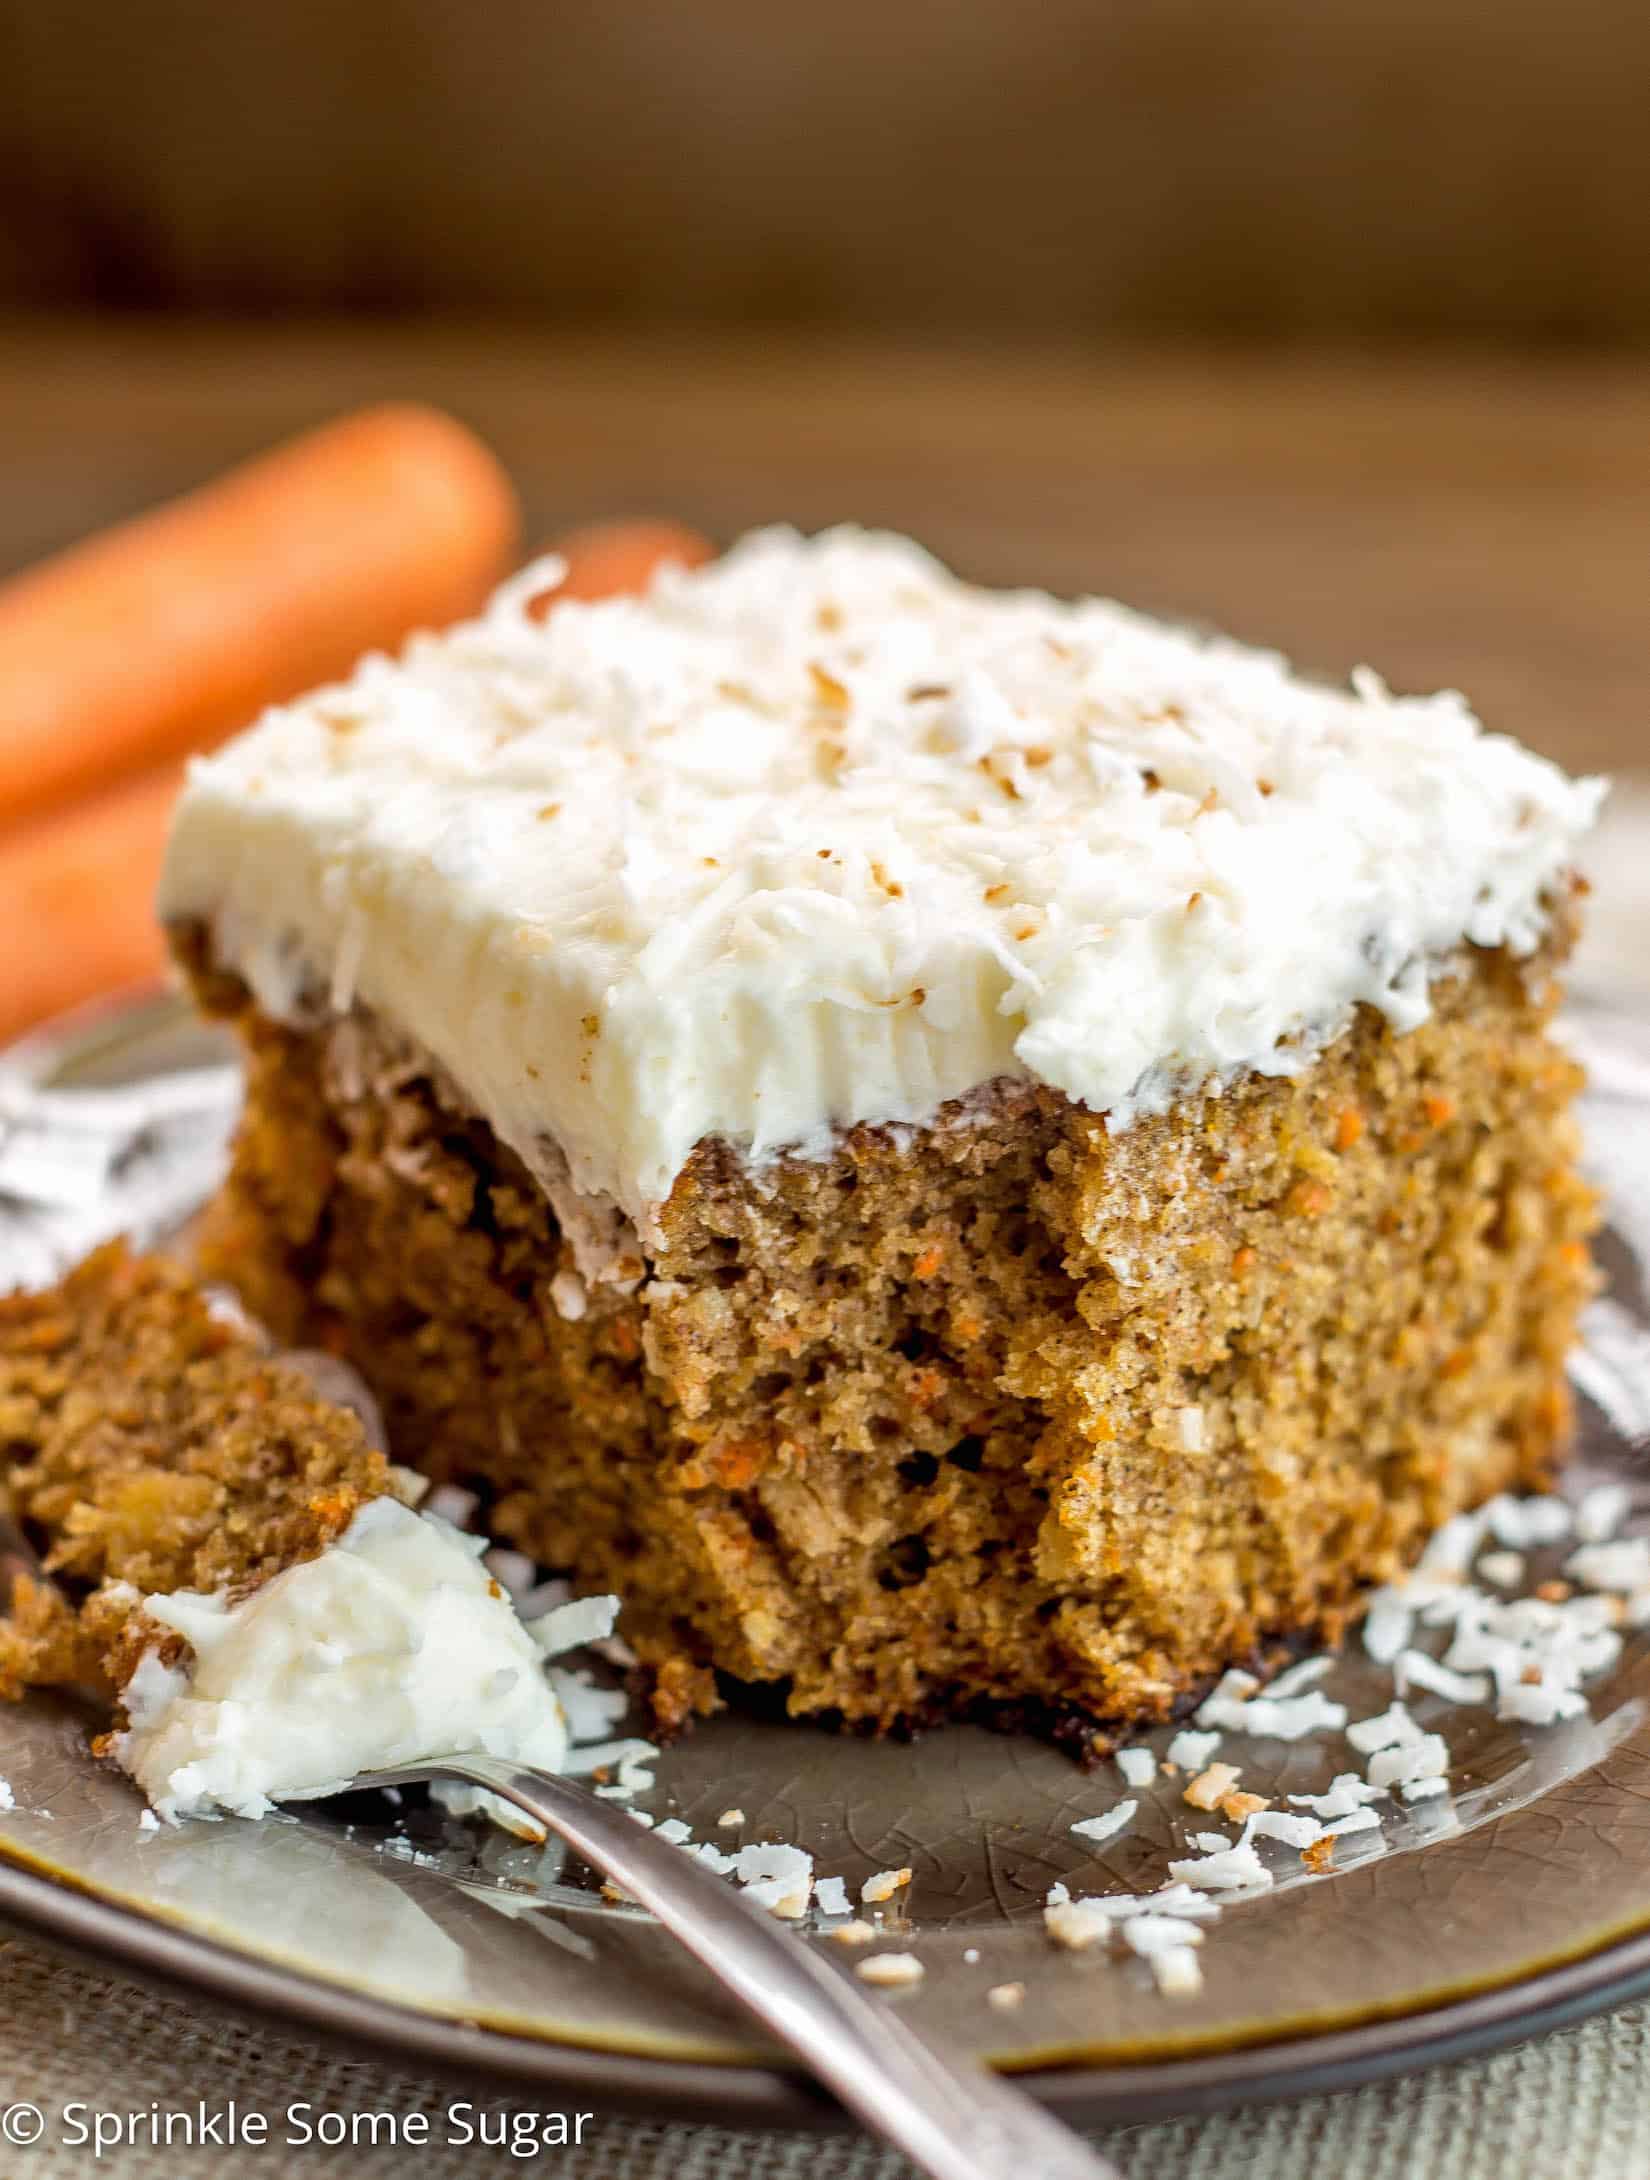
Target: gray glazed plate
[1523, 1903]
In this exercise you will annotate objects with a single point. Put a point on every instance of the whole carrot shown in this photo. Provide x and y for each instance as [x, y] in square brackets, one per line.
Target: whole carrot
[606, 559]
[75, 893]
[76, 884]
[164, 634]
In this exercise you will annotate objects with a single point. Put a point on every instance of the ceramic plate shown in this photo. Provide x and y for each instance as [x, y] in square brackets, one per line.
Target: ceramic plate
[1520, 1901]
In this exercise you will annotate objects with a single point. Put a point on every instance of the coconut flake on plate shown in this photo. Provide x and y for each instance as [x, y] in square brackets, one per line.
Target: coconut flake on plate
[883, 1884]
[1417, 1790]
[1504, 1568]
[776, 1876]
[1147, 1934]
[1600, 1512]
[1415, 1669]
[1387, 1624]
[1276, 1718]
[1426, 1757]
[1623, 1565]
[1225, 1871]
[1138, 1766]
[592, 1711]
[1210, 1788]
[1279, 1824]
[1077, 1924]
[571, 1626]
[1347, 1791]
[1178, 1971]
[890, 1971]
[1096, 1829]
[1191, 1750]
[1234, 1686]
[1355, 1820]
[1294, 1678]
[854, 1933]
[1449, 1550]
[1390, 1728]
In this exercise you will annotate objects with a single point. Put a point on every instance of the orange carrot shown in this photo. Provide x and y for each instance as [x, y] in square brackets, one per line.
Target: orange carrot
[76, 885]
[162, 635]
[75, 896]
[605, 559]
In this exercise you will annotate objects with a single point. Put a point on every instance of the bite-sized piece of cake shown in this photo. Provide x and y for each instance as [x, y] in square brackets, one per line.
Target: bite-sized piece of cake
[964, 1152]
[150, 1442]
[232, 1560]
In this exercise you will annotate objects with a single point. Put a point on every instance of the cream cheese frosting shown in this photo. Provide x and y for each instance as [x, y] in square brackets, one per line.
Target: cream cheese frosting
[819, 834]
[394, 1644]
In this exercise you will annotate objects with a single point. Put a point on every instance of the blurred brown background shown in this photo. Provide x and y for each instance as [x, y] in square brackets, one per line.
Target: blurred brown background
[1326, 320]
[1070, 167]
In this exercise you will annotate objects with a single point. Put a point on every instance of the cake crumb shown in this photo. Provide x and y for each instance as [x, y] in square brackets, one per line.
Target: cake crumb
[1320, 1854]
[1235, 1807]
[731, 1816]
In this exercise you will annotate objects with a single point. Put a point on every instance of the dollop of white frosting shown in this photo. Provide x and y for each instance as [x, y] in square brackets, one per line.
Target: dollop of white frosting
[818, 834]
[394, 1644]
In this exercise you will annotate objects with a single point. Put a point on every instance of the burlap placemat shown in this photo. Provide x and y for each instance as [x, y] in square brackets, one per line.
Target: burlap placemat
[1575, 2106]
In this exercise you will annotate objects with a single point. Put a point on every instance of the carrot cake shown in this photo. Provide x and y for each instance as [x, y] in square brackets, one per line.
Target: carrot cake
[968, 1154]
[233, 1560]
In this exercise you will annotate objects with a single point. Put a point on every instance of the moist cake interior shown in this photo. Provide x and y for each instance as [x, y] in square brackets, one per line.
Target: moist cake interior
[1009, 1417]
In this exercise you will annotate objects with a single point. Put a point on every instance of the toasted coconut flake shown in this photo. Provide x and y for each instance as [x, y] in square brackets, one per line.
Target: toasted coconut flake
[854, 1933]
[891, 1971]
[883, 1885]
[1077, 1924]
[1210, 1787]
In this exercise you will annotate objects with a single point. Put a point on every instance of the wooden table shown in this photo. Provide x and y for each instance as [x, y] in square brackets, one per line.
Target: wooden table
[1477, 523]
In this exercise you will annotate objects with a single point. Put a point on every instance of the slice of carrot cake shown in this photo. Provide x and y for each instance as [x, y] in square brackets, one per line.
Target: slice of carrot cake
[969, 1154]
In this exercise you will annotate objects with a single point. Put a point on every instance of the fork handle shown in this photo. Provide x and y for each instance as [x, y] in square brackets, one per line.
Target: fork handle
[955, 2119]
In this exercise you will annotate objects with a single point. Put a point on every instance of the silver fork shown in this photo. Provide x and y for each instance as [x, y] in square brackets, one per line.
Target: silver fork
[954, 2118]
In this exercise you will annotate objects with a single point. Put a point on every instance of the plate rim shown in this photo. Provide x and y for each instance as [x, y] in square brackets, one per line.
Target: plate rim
[741, 2095]
[1606, 1970]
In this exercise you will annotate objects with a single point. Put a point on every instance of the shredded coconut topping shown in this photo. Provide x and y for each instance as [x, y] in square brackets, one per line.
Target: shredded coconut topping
[818, 834]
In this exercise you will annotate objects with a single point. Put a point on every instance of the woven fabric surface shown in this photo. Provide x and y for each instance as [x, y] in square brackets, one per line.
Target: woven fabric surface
[1572, 2106]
